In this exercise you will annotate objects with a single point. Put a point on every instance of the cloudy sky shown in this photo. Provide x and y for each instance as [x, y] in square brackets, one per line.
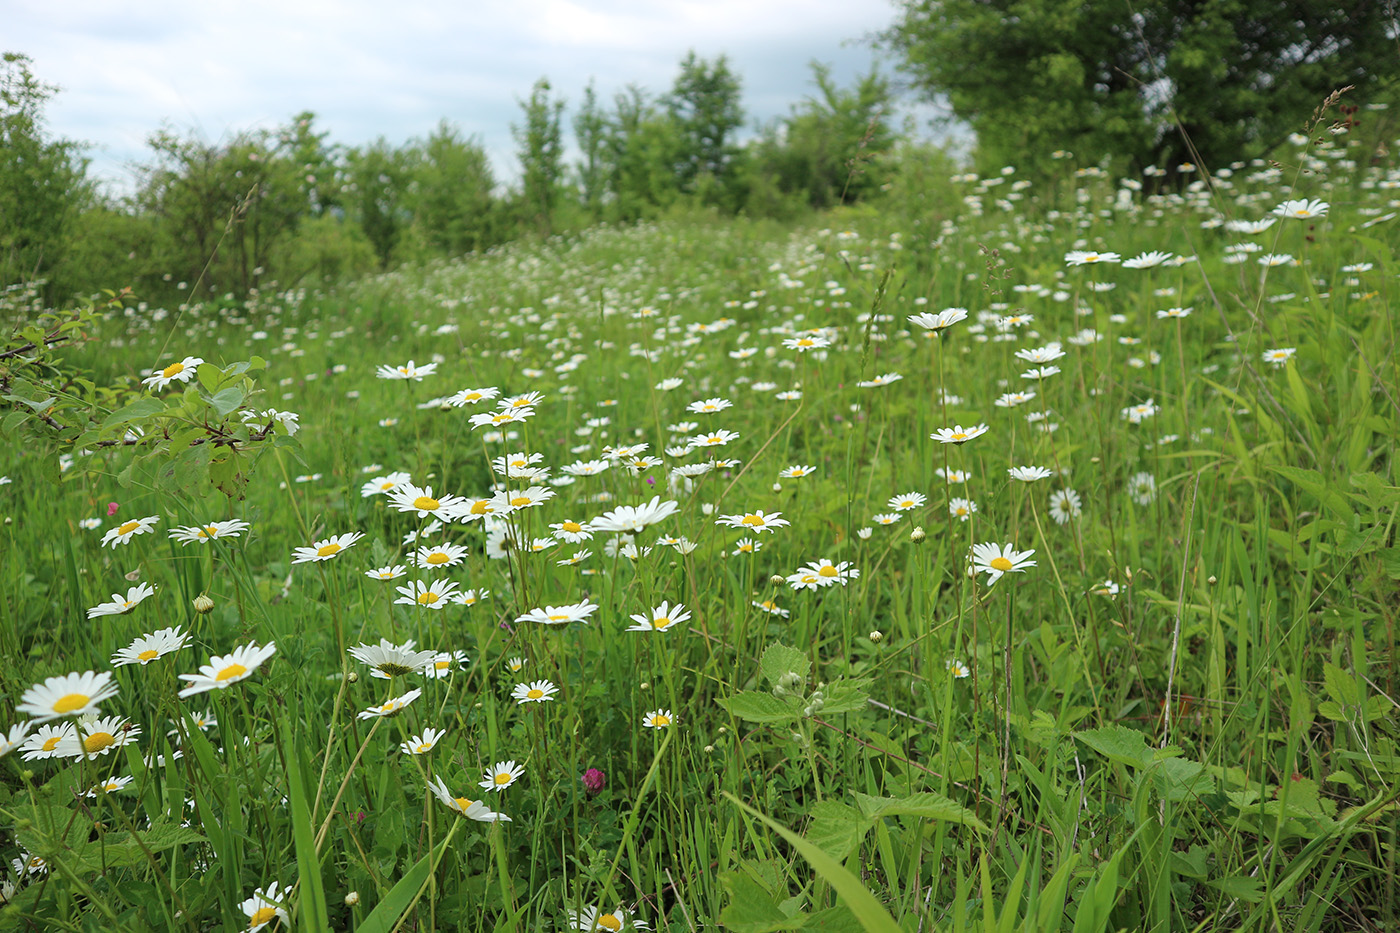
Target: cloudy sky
[395, 67]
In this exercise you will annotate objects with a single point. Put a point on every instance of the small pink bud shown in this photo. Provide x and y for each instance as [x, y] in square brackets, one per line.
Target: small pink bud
[594, 780]
[112, 509]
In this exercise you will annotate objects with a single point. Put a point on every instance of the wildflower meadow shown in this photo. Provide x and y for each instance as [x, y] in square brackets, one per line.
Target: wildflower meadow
[1018, 560]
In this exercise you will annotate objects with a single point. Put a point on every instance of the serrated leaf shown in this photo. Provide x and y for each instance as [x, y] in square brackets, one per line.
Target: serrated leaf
[778, 660]
[927, 805]
[752, 909]
[837, 828]
[1340, 685]
[1120, 744]
[761, 707]
[844, 697]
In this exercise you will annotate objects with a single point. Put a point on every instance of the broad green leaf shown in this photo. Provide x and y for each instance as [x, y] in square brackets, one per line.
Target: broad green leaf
[141, 408]
[927, 805]
[837, 828]
[1341, 686]
[751, 909]
[227, 400]
[1118, 743]
[761, 707]
[778, 660]
[388, 911]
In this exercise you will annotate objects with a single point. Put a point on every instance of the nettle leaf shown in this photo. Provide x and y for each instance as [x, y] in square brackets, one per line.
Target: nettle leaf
[844, 697]
[752, 706]
[778, 660]
[1341, 686]
[926, 805]
[837, 828]
[751, 909]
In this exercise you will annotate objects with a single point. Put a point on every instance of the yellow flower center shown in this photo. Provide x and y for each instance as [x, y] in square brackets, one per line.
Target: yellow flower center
[960, 510]
[328, 550]
[150, 654]
[571, 527]
[231, 672]
[503, 778]
[387, 485]
[441, 665]
[502, 417]
[534, 693]
[428, 598]
[426, 504]
[660, 720]
[1000, 563]
[387, 707]
[262, 915]
[558, 617]
[828, 571]
[481, 507]
[425, 747]
[463, 802]
[50, 743]
[958, 436]
[520, 502]
[661, 623]
[111, 786]
[98, 741]
[127, 528]
[438, 557]
[804, 342]
[174, 369]
[72, 701]
[755, 520]
[609, 922]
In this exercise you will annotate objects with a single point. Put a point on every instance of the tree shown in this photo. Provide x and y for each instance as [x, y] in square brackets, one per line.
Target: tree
[43, 182]
[591, 132]
[704, 102]
[541, 154]
[642, 149]
[378, 194]
[451, 192]
[1104, 78]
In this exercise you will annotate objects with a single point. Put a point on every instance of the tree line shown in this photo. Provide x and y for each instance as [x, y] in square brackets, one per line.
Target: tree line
[288, 204]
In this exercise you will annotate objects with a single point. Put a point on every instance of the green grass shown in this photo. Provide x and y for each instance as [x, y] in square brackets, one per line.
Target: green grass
[1207, 743]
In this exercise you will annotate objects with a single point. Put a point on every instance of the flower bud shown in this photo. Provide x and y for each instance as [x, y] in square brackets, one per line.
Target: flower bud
[203, 604]
[776, 579]
[133, 576]
[1211, 580]
[876, 635]
[352, 898]
[353, 677]
[917, 534]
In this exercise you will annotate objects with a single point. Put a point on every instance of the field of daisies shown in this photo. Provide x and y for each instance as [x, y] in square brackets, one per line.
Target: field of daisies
[1022, 561]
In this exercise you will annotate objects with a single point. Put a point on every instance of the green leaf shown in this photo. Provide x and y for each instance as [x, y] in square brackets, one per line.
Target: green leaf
[1120, 744]
[1341, 686]
[778, 660]
[387, 912]
[227, 400]
[761, 707]
[751, 909]
[141, 408]
[844, 697]
[837, 828]
[927, 805]
[870, 912]
[311, 903]
[210, 376]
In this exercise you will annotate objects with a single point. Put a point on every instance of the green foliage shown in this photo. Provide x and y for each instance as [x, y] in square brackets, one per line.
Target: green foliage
[704, 104]
[541, 155]
[1158, 84]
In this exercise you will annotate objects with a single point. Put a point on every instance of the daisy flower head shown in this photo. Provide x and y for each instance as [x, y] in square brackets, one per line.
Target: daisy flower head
[886, 518]
[746, 546]
[126, 530]
[906, 501]
[422, 744]
[11, 740]
[806, 342]
[961, 508]
[658, 719]
[1250, 226]
[392, 706]
[662, 618]
[501, 775]
[1013, 399]
[958, 434]
[494, 419]
[1170, 313]
[1275, 358]
[772, 608]
[473, 809]
[537, 691]
[472, 396]
[1275, 259]
[109, 786]
[93, 736]
[1041, 372]
[632, 519]
[881, 380]
[119, 606]
[938, 321]
[957, 669]
[756, 521]
[443, 555]
[390, 660]
[203, 534]
[1047, 354]
[1107, 588]
[1148, 260]
[67, 695]
[797, 471]
[954, 476]
[1029, 474]
[1065, 506]
[996, 560]
[423, 504]
[560, 615]
[1136, 414]
[384, 485]
[390, 572]
[825, 573]
[571, 531]
[182, 371]
[1142, 488]
[591, 919]
[326, 549]
[148, 648]
[224, 671]
[265, 908]
[444, 663]
[1301, 209]
[45, 741]
[435, 595]
[470, 598]
[709, 405]
[409, 370]
[712, 439]
[521, 400]
[1080, 257]
[516, 499]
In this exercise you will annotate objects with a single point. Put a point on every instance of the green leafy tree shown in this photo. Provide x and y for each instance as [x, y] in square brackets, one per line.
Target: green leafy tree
[642, 149]
[451, 192]
[43, 181]
[377, 195]
[541, 155]
[591, 133]
[704, 103]
[1106, 79]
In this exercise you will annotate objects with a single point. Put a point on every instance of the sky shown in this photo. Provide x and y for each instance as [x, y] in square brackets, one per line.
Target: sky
[394, 68]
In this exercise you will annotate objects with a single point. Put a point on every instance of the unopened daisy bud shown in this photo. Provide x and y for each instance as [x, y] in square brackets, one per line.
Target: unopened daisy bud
[203, 604]
[352, 898]
[777, 487]
[353, 677]
[723, 730]
[917, 534]
[1211, 580]
[133, 576]
[876, 635]
[777, 579]
[644, 685]
[709, 748]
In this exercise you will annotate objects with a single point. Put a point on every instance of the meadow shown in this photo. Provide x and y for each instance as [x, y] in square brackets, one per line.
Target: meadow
[1019, 561]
